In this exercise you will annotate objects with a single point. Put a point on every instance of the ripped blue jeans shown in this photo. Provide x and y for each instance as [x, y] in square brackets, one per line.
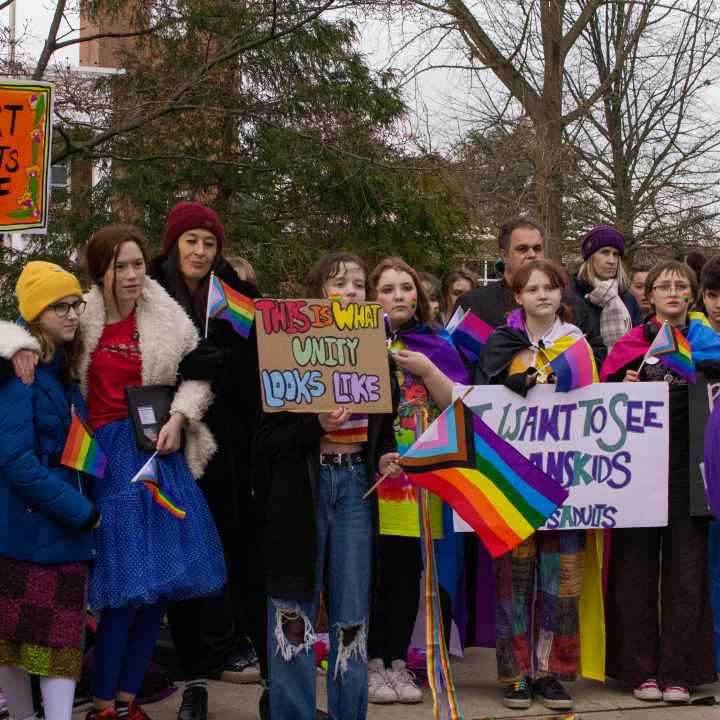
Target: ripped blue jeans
[345, 545]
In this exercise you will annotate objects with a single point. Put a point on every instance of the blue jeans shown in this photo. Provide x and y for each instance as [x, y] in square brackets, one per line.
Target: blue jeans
[344, 525]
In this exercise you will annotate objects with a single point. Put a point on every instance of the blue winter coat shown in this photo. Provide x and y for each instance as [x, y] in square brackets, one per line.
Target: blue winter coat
[44, 515]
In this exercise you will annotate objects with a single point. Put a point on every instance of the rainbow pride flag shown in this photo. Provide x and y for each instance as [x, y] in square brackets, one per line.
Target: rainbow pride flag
[471, 334]
[149, 476]
[229, 304]
[673, 350]
[575, 367]
[495, 489]
[82, 451]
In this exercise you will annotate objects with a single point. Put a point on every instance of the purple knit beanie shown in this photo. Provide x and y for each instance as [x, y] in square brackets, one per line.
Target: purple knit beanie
[600, 237]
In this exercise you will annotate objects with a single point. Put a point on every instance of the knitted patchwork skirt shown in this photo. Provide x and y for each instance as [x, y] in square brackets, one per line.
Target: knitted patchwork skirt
[42, 616]
[145, 552]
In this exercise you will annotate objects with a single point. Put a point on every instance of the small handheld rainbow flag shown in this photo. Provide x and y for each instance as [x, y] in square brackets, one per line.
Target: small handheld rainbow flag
[673, 350]
[149, 476]
[492, 486]
[574, 368]
[82, 451]
[229, 304]
[471, 334]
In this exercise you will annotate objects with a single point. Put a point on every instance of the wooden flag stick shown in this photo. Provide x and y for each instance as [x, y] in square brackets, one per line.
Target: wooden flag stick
[379, 482]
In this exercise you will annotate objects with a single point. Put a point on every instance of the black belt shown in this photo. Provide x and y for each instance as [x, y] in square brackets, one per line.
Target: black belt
[342, 459]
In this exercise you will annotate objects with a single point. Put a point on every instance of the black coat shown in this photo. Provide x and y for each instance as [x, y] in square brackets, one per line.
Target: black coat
[288, 457]
[581, 289]
[494, 302]
[230, 364]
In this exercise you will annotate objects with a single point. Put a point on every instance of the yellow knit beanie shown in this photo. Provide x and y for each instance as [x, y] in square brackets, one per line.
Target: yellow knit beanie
[40, 285]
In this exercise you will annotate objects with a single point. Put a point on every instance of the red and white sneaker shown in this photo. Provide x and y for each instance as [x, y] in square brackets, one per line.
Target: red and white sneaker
[648, 691]
[676, 694]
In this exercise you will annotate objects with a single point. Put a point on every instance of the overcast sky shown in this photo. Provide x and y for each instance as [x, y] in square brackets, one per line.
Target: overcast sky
[438, 98]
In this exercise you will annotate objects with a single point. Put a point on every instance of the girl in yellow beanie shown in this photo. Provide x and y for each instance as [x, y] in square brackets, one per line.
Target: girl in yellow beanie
[46, 543]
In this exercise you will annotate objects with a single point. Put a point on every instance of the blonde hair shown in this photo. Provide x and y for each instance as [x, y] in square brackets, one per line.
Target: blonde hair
[243, 268]
[587, 274]
[48, 347]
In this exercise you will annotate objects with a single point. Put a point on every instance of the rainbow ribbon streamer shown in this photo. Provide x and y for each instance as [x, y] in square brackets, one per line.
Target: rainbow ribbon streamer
[438, 660]
[437, 657]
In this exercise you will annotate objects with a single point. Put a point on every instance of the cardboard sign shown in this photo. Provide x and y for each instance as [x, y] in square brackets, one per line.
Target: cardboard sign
[606, 443]
[701, 397]
[25, 144]
[318, 355]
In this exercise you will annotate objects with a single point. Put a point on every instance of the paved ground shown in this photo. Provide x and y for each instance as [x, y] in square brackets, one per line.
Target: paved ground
[479, 695]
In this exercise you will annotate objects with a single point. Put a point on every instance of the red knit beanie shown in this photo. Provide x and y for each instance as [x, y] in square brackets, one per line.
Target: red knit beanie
[192, 216]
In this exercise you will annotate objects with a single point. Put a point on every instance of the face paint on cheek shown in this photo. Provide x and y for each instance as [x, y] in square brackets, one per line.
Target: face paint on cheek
[413, 303]
[335, 297]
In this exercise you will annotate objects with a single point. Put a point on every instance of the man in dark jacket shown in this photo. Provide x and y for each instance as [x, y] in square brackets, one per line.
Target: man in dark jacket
[520, 241]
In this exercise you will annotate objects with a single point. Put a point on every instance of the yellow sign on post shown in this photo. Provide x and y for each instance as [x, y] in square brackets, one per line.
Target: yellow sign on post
[25, 145]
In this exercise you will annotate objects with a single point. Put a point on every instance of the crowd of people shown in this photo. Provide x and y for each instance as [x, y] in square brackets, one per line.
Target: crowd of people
[279, 528]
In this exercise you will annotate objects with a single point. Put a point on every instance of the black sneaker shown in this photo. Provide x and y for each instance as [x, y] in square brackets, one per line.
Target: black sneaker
[194, 704]
[553, 695]
[518, 695]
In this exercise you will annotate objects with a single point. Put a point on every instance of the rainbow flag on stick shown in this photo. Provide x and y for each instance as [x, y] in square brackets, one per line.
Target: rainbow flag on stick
[673, 350]
[82, 451]
[575, 367]
[471, 334]
[229, 304]
[149, 476]
[495, 489]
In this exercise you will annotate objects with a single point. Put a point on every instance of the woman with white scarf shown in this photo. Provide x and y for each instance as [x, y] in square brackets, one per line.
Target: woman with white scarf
[604, 283]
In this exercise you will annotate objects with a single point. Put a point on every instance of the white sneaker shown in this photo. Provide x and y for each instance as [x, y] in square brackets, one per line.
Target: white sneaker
[403, 682]
[648, 691]
[675, 694]
[380, 691]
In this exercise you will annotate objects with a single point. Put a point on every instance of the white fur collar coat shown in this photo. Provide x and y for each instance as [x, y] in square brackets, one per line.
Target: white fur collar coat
[166, 335]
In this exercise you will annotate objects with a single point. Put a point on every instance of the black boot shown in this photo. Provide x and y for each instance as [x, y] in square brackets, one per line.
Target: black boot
[194, 704]
[264, 708]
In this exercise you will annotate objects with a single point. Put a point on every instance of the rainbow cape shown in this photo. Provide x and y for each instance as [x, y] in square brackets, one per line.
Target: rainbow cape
[575, 367]
[495, 489]
[82, 451]
[704, 345]
[471, 334]
[149, 476]
[229, 304]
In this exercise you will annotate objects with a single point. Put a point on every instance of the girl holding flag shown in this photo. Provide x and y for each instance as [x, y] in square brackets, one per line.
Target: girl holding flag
[659, 624]
[541, 577]
[320, 532]
[46, 542]
[210, 634]
[421, 350]
[136, 334]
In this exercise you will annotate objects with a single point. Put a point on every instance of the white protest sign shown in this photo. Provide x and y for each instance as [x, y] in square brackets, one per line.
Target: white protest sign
[606, 443]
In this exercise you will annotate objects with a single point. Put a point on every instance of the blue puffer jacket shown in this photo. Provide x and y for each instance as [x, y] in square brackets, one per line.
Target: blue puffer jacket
[44, 515]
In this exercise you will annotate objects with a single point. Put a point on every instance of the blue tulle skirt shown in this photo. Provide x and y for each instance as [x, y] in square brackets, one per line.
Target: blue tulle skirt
[145, 553]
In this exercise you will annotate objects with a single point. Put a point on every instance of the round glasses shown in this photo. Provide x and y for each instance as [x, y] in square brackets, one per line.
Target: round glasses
[63, 308]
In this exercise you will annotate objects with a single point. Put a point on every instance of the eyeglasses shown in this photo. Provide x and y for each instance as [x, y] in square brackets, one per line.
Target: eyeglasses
[666, 288]
[62, 308]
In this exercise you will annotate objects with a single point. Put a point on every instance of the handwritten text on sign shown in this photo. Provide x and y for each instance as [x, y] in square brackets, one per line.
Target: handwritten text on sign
[606, 443]
[25, 146]
[318, 355]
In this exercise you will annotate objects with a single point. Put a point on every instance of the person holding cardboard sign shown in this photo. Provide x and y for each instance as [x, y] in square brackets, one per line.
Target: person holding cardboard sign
[316, 469]
[659, 618]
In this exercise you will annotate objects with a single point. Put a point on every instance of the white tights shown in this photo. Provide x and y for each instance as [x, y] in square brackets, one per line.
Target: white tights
[58, 694]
